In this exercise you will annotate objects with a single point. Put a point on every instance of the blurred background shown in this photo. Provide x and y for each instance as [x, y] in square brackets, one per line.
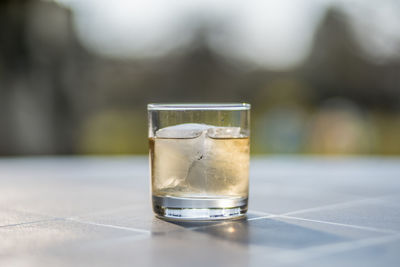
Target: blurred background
[323, 77]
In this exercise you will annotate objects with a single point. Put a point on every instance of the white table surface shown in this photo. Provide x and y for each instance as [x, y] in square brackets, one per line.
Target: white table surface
[304, 211]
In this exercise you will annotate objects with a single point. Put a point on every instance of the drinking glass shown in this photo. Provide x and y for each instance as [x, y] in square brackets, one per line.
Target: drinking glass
[199, 160]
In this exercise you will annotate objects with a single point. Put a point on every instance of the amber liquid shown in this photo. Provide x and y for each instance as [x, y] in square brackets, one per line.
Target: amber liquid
[200, 167]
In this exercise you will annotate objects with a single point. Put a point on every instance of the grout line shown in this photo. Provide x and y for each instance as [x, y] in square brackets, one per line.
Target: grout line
[317, 208]
[31, 222]
[261, 213]
[324, 250]
[335, 205]
[284, 216]
[112, 226]
[341, 224]
[263, 217]
[107, 211]
[80, 221]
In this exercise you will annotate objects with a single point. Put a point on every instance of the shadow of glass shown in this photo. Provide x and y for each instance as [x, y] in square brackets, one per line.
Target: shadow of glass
[269, 232]
[200, 224]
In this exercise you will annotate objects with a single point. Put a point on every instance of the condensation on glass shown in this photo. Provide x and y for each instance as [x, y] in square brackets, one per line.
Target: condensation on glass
[199, 160]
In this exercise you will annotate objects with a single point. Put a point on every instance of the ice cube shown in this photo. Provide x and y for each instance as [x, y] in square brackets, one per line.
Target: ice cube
[172, 159]
[223, 165]
[176, 148]
[224, 132]
[185, 130]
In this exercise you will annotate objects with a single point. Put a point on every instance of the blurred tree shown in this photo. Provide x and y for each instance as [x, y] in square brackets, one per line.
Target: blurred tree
[41, 66]
[337, 67]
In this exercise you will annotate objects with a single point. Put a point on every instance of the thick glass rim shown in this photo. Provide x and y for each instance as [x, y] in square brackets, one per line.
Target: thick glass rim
[198, 106]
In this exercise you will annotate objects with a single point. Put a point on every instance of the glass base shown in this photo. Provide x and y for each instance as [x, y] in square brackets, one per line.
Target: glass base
[199, 208]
